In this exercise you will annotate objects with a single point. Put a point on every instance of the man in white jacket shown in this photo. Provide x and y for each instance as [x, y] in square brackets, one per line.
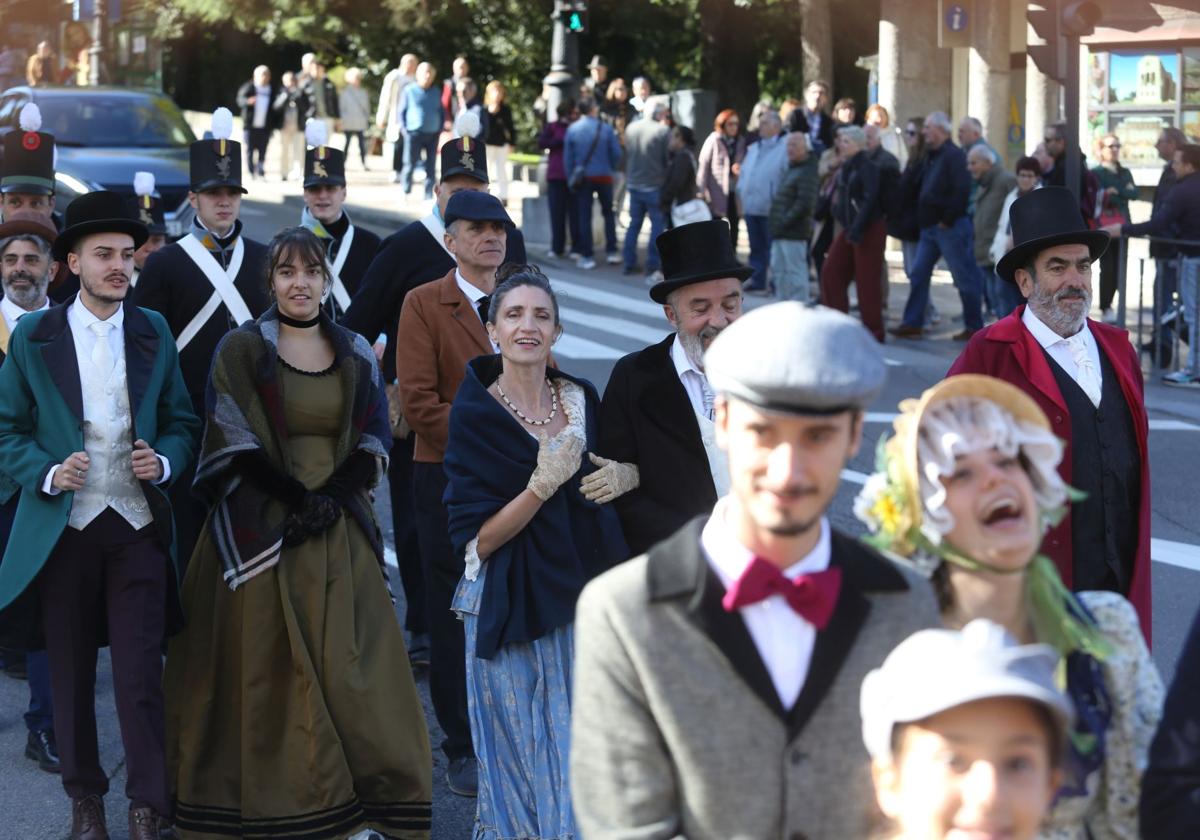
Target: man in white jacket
[387, 115]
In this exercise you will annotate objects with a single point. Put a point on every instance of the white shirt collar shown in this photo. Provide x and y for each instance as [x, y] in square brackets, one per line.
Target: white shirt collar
[12, 312]
[729, 558]
[1048, 337]
[473, 292]
[82, 317]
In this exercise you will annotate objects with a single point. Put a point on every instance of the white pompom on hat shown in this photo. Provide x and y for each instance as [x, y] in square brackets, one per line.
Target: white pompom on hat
[31, 117]
[222, 124]
[316, 132]
[467, 124]
[143, 183]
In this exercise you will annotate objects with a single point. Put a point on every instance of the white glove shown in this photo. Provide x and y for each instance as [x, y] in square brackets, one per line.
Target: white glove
[613, 479]
[558, 459]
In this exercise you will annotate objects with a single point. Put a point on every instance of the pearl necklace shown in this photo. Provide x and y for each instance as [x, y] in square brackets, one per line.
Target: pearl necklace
[521, 414]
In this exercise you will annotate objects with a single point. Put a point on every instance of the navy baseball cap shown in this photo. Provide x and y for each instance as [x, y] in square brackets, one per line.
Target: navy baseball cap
[475, 206]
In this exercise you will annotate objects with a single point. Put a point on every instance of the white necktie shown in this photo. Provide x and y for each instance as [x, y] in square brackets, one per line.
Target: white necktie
[708, 396]
[102, 356]
[1087, 377]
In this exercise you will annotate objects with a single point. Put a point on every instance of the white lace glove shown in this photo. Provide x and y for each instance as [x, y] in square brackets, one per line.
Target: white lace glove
[558, 459]
[613, 479]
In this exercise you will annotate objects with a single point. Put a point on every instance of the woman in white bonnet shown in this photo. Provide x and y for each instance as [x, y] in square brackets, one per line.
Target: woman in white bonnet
[965, 491]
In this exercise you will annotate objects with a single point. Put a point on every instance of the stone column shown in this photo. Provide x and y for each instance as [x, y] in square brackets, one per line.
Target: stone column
[914, 74]
[1041, 100]
[988, 75]
[816, 42]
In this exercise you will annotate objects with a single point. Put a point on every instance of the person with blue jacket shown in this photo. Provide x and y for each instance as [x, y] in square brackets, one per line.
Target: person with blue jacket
[762, 172]
[946, 231]
[591, 154]
[422, 113]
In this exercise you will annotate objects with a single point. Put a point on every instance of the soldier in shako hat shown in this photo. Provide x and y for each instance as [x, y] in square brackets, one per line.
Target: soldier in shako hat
[147, 208]
[207, 283]
[349, 249]
[27, 176]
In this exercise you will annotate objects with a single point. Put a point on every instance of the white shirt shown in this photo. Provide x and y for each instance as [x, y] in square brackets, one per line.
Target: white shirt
[262, 103]
[784, 639]
[80, 319]
[1059, 348]
[12, 313]
[690, 376]
[474, 294]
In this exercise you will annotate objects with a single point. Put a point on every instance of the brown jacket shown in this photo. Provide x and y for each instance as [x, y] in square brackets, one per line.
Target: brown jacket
[439, 333]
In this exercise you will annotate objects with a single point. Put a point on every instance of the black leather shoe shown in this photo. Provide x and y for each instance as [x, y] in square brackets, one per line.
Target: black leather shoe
[41, 748]
[463, 776]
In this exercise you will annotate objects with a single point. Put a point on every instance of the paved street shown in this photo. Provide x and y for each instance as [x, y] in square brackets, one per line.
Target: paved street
[605, 317]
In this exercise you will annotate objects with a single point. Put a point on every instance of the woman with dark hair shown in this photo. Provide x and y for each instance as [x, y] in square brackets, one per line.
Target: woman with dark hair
[291, 706]
[530, 539]
[680, 184]
[717, 169]
[563, 215]
[845, 112]
[964, 492]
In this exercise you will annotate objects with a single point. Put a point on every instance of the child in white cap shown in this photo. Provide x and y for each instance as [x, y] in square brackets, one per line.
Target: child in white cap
[967, 734]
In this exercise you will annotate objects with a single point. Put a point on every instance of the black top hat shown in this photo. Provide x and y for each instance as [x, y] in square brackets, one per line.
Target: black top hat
[324, 165]
[98, 212]
[28, 163]
[464, 156]
[695, 253]
[1042, 219]
[475, 206]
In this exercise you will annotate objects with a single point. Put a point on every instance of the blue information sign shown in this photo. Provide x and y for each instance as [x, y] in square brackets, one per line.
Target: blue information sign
[956, 18]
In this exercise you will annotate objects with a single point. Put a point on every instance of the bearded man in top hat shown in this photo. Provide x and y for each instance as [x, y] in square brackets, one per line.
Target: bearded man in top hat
[717, 676]
[1085, 375]
[94, 424]
[657, 411]
[409, 258]
[349, 249]
[148, 209]
[207, 283]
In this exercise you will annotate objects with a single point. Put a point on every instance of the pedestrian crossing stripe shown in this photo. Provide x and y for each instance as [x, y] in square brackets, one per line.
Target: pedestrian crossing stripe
[1156, 425]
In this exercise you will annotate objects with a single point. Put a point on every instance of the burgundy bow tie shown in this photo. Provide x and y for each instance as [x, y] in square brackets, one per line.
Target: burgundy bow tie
[813, 596]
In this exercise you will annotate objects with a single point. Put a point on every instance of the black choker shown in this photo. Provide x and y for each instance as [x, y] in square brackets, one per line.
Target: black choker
[292, 322]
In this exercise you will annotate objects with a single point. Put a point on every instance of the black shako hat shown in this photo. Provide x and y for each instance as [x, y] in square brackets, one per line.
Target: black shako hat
[323, 164]
[98, 212]
[695, 253]
[146, 206]
[475, 206]
[216, 161]
[28, 156]
[464, 156]
[1042, 219]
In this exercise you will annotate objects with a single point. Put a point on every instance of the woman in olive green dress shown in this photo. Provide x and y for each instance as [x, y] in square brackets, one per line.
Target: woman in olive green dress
[291, 708]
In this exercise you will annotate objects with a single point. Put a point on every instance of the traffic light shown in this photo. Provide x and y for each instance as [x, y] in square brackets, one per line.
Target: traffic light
[575, 12]
[1054, 21]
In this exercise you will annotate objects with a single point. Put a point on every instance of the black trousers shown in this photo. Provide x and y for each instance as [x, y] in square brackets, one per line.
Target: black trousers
[404, 534]
[256, 149]
[447, 647]
[107, 584]
[1109, 264]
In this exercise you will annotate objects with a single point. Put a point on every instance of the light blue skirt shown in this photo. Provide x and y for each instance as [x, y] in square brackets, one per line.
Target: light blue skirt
[520, 707]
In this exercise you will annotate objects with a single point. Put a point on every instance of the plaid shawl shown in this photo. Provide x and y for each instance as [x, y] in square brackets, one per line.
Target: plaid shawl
[245, 414]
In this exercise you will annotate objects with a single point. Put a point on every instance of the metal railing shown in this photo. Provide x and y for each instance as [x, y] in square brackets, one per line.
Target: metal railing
[1162, 324]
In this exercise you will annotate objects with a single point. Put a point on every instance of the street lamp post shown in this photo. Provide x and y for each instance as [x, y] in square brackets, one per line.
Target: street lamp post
[563, 78]
[96, 74]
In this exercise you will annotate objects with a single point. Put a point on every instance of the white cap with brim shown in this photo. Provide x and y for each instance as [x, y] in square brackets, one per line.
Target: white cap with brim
[935, 670]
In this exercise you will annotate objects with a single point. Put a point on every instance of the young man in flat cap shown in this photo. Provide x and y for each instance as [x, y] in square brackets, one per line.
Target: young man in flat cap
[94, 424]
[717, 677]
[349, 249]
[207, 283]
[26, 269]
[1087, 378]
[657, 411]
[409, 258]
[441, 329]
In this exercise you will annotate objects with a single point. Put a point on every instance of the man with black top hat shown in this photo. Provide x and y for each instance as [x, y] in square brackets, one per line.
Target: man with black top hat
[147, 209]
[207, 283]
[26, 269]
[1086, 376]
[657, 410]
[349, 249]
[441, 329]
[94, 424]
[27, 179]
[411, 257]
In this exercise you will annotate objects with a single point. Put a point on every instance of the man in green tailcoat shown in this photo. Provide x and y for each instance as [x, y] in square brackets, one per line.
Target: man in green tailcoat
[94, 424]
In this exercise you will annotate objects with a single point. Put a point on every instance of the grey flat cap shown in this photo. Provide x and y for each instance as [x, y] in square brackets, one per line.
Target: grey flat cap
[797, 359]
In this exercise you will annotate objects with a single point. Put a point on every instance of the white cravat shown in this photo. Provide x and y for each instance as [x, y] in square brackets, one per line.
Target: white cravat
[1087, 376]
[102, 357]
[709, 397]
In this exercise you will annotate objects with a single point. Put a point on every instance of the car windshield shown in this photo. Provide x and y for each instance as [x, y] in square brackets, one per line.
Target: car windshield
[118, 120]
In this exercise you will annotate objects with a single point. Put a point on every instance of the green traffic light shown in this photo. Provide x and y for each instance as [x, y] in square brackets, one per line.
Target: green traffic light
[575, 22]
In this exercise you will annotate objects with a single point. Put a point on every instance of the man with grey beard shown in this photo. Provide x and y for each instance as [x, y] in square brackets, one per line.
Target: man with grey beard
[657, 411]
[26, 269]
[1086, 377]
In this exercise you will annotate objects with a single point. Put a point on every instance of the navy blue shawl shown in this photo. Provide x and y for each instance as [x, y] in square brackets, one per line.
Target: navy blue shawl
[534, 579]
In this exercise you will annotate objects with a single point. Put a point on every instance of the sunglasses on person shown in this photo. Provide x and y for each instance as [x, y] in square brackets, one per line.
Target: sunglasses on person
[911, 132]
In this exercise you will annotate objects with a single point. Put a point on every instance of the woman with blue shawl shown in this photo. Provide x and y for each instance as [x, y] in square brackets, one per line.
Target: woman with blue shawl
[965, 491]
[531, 540]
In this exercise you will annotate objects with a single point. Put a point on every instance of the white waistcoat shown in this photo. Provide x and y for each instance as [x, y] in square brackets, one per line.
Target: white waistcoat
[718, 461]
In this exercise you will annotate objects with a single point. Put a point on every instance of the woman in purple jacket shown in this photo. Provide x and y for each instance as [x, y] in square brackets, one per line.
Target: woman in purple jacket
[716, 174]
[562, 203]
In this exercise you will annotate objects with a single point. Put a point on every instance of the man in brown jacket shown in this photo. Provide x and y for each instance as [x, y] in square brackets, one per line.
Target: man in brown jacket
[442, 327]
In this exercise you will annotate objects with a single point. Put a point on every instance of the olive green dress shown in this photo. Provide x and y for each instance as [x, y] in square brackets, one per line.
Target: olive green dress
[291, 707]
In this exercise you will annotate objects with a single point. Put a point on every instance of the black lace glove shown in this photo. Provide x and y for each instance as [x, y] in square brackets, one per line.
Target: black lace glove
[256, 469]
[317, 512]
[355, 473]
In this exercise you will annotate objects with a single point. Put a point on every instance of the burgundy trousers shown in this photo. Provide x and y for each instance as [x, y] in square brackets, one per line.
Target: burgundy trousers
[108, 581]
[862, 264]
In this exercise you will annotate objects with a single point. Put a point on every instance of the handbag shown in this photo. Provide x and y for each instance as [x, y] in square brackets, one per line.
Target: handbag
[579, 172]
[687, 212]
[1109, 214]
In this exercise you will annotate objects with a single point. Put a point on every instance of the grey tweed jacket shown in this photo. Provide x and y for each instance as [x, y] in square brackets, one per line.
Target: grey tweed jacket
[677, 730]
